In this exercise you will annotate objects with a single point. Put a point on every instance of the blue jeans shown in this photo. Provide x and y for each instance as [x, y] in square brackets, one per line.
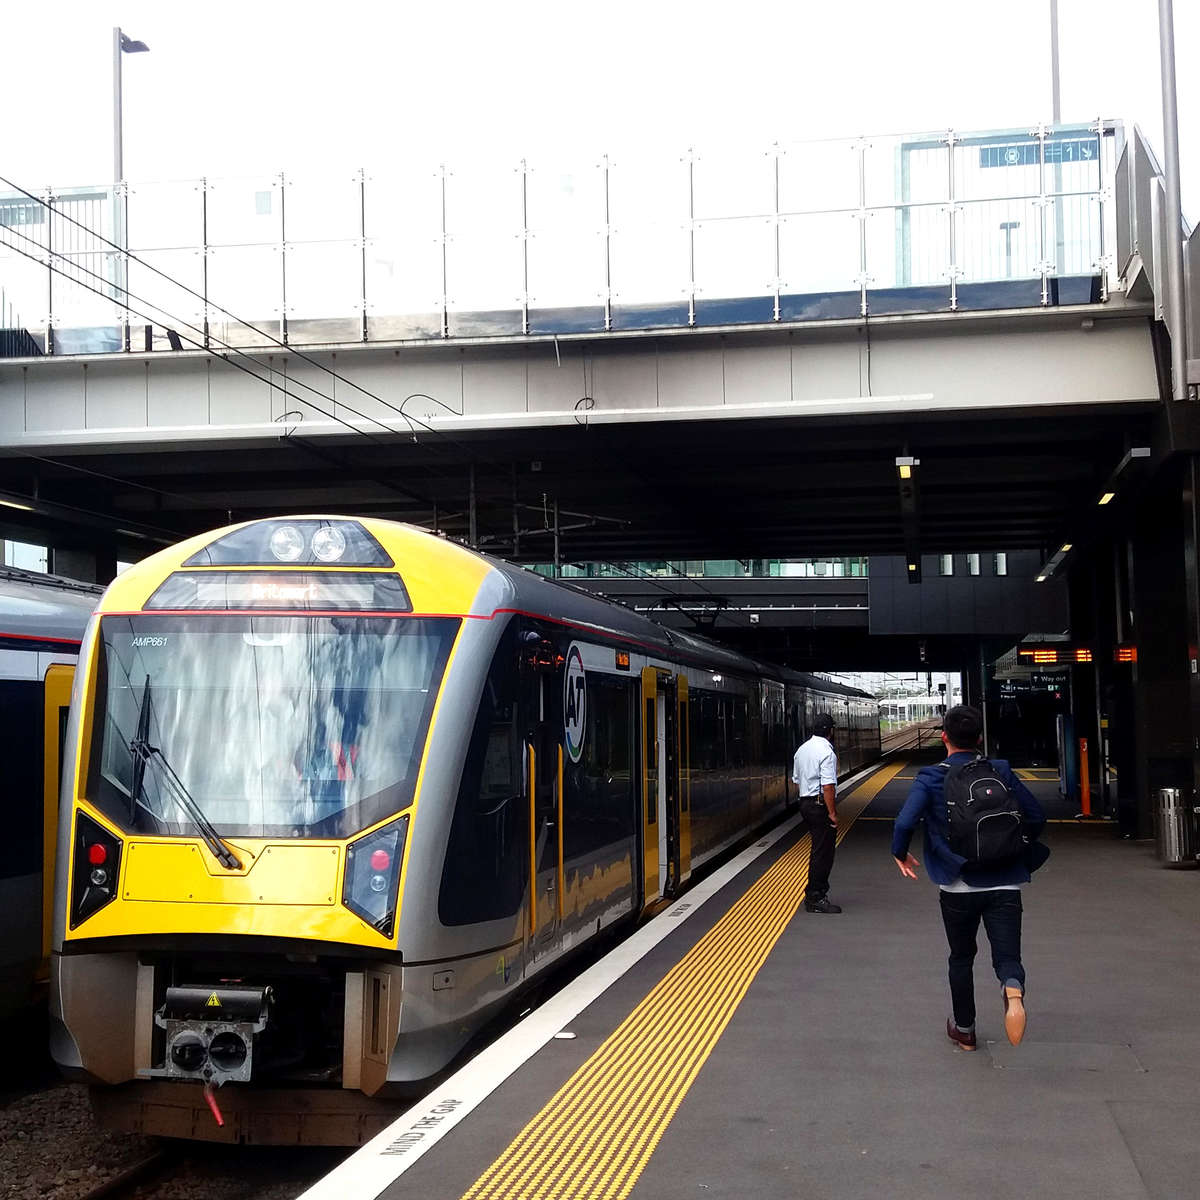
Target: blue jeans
[1000, 911]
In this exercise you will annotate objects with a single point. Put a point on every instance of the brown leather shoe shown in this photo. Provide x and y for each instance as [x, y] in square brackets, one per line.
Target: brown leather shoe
[1014, 1013]
[964, 1041]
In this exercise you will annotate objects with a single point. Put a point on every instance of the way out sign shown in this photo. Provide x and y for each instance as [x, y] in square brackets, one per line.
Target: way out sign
[574, 704]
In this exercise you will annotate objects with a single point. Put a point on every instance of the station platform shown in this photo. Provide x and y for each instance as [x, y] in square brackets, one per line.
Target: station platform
[738, 1046]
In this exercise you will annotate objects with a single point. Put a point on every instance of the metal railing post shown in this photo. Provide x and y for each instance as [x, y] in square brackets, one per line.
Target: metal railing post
[49, 205]
[952, 222]
[778, 260]
[1043, 263]
[204, 257]
[524, 246]
[445, 270]
[607, 249]
[283, 301]
[691, 238]
[362, 237]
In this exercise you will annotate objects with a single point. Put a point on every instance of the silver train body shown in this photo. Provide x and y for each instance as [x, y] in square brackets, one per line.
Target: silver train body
[577, 764]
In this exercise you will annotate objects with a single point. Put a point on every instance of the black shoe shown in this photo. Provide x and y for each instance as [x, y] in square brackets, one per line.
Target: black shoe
[963, 1039]
[821, 906]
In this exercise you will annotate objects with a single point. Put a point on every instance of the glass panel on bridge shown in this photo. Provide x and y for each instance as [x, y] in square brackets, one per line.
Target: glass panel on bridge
[821, 252]
[905, 223]
[246, 282]
[167, 286]
[324, 280]
[737, 183]
[818, 176]
[322, 208]
[735, 257]
[485, 247]
[405, 269]
[245, 212]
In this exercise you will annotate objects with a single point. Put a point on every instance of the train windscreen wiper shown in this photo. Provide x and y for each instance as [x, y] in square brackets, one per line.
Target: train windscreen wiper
[142, 752]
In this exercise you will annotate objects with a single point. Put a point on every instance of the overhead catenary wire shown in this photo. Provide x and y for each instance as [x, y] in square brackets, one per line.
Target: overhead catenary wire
[276, 341]
[206, 337]
[252, 371]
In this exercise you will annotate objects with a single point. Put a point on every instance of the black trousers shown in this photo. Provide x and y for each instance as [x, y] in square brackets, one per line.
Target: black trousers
[1000, 911]
[824, 839]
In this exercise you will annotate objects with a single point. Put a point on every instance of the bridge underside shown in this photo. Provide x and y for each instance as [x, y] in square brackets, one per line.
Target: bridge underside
[729, 489]
[743, 444]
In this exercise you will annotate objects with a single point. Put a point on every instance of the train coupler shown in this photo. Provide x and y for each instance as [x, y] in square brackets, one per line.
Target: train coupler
[210, 1033]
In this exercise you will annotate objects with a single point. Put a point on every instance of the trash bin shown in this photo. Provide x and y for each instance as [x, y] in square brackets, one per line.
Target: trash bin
[1174, 829]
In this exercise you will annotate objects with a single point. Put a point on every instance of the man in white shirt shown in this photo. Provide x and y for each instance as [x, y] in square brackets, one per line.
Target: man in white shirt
[815, 773]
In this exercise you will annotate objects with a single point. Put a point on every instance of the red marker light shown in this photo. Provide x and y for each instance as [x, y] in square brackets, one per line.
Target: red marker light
[97, 854]
[380, 860]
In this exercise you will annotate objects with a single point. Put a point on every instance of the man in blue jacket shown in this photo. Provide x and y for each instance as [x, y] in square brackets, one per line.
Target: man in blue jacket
[971, 892]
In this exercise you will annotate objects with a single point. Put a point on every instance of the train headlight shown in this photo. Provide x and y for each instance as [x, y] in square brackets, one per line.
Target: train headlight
[286, 543]
[372, 872]
[96, 868]
[328, 543]
[304, 541]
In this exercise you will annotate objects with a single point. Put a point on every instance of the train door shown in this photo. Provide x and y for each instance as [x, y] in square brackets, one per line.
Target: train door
[541, 688]
[57, 700]
[685, 781]
[661, 816]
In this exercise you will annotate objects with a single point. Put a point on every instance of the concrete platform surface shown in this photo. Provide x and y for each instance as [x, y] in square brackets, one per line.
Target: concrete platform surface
[830, 1076]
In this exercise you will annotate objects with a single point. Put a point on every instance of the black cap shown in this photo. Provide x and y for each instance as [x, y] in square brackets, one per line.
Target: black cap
[823, 724]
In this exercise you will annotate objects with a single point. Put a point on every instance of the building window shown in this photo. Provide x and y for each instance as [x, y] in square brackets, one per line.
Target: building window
[946, 564]
[1000, 564]
[972, 564]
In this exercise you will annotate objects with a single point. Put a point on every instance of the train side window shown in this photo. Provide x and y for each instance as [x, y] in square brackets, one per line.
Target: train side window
[483, 877]
[600, 807]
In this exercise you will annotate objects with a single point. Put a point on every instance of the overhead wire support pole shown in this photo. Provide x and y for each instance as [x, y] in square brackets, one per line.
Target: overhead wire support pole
[1176, 309]
[473, 528]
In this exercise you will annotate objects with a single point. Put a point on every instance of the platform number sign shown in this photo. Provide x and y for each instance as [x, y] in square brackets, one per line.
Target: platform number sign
[574, 704]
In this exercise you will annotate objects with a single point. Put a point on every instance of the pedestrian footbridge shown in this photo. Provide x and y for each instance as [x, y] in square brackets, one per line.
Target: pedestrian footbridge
[437, 343]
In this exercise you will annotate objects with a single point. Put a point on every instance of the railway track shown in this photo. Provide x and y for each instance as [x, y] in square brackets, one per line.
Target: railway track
[912, 737]
[152, 1166]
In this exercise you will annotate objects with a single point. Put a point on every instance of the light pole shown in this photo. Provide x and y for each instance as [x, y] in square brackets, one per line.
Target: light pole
[121, 45]
[1056, 120]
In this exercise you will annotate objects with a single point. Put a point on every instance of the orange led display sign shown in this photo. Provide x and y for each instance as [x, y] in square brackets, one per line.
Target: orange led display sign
[1051, 656]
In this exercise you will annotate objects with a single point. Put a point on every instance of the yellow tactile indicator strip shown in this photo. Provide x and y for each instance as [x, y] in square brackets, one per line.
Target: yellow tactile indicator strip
[593, 1139]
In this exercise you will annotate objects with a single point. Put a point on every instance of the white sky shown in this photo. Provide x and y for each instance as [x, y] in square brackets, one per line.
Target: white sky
[255, 87]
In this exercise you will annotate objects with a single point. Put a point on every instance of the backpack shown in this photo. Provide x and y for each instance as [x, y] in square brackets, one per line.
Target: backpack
[984, 818]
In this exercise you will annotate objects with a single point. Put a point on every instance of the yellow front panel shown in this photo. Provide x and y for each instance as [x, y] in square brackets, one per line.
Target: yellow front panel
[292, 874]
[326, 923]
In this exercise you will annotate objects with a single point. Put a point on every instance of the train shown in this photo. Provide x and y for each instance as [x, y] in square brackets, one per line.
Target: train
[336, 789]
[42, 622]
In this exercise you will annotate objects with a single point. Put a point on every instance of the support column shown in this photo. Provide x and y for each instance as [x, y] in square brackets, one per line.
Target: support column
[1191, 569]
[1163, 613]
[89, 565]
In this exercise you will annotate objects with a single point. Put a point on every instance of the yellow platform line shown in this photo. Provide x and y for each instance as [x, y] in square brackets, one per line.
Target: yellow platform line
[595, 1136]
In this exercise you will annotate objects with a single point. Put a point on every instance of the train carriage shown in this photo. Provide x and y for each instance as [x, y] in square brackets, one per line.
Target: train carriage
[338, 788]
[42, 620]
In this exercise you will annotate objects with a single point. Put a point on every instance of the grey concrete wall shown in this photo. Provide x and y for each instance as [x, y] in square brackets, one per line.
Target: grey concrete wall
[949, 364]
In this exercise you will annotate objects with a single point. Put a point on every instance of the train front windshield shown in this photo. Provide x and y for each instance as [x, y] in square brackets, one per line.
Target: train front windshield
[265, 726]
